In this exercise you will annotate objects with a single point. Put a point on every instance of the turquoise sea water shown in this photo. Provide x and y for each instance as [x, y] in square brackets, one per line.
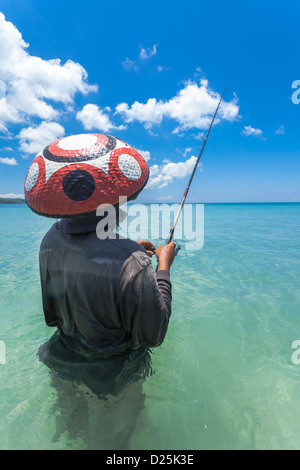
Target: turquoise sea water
[224, 377]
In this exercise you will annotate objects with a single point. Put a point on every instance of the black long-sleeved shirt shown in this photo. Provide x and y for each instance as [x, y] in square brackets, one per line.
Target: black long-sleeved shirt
[103, 295]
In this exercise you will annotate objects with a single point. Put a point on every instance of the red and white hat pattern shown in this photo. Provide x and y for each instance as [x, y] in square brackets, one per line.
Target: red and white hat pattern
[75, 174]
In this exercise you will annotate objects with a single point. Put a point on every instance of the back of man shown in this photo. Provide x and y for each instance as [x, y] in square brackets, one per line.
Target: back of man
[103, 295]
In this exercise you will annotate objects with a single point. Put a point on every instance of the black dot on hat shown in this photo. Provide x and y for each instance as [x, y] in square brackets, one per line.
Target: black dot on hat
[79, 185]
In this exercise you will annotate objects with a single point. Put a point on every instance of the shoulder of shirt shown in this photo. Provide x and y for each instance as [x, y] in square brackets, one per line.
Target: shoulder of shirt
[136, 251]
[52, 231]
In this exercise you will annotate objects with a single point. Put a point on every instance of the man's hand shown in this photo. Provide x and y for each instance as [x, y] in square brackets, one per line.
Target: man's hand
[149, 247]
[165, 256]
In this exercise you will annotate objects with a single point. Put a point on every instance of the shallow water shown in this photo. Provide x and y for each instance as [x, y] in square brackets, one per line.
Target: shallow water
[223, 378]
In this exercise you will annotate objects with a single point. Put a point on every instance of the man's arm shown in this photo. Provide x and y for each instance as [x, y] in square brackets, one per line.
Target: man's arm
[146, 303]
[165, 256]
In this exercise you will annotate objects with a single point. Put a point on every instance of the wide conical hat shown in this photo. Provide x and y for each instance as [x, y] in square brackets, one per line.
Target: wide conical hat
[76, 174]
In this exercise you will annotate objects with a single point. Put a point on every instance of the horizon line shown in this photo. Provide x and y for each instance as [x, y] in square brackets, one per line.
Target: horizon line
[178, 202]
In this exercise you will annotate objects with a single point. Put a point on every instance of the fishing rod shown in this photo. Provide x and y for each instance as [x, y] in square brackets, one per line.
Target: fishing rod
[171, 234]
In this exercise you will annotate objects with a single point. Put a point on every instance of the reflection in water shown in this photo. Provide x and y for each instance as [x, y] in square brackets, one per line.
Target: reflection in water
[98, 401]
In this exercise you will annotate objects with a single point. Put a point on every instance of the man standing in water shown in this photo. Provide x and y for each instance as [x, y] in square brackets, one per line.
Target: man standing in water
[103, 295]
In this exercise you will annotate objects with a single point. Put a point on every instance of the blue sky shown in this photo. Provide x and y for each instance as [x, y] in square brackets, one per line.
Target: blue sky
[151, 74]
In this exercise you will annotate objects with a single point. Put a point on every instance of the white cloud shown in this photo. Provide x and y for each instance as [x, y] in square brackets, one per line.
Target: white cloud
[164, 198]
[150, 113]
[9, 161]
[157, 178]
[12, 196]
[8, 114]
[129, 64]
[162, 68]
[199, 136]
[280, 130]
[27, 82]
[192, 107]
[35, 139]
[162, 175]
[92, 117]
[186, 151]
[249, 130]
[144, 55]
[180, 169]
[147, 53]
[145, 154]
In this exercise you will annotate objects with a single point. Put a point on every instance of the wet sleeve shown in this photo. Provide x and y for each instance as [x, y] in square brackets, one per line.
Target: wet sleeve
[146, 307]
[165, 288]
[47, 294]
